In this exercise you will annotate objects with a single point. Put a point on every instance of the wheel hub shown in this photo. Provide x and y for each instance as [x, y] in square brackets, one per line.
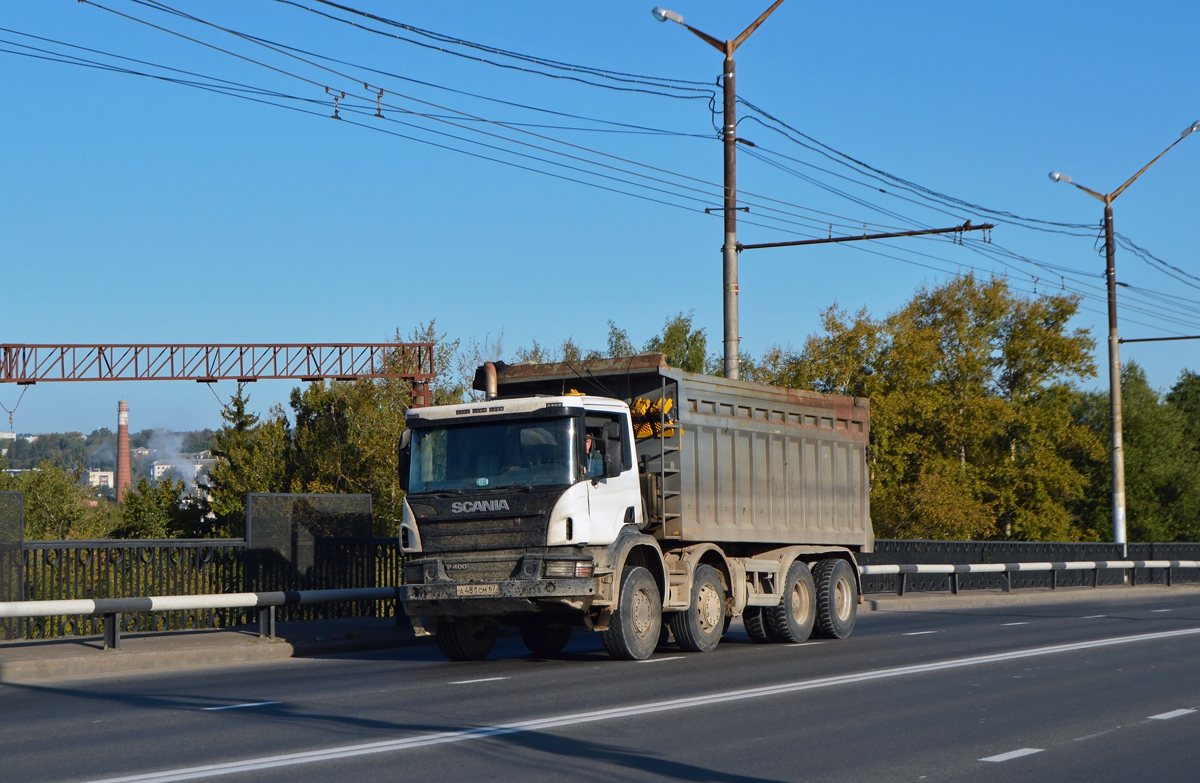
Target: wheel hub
[708, 605]
[841, 599]
[801, 603]
[642, 612]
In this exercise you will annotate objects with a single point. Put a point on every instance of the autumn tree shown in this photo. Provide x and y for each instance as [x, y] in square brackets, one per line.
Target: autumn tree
[971, 427]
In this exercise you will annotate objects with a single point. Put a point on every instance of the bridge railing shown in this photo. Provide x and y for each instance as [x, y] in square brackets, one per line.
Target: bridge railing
[65, 571]
[892, 552]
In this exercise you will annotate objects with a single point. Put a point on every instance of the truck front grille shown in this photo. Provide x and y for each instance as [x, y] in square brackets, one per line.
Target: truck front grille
[482, 535]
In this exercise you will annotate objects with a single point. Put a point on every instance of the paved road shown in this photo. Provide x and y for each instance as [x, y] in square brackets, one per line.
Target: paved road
[1088, 690]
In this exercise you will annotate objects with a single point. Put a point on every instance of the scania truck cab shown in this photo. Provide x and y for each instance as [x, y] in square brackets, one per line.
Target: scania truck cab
[623, 515]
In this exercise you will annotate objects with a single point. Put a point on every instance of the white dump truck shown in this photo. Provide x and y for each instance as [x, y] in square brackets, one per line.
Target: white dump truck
[631, 498]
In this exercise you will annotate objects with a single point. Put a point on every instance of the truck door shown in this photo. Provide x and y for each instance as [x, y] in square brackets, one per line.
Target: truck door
[611, 501]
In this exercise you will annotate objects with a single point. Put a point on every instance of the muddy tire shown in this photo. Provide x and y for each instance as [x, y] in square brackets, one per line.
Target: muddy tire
[545, 640]
[466, 638]
[837, 598]
[756, 625]
[699, 627]
[636, 622]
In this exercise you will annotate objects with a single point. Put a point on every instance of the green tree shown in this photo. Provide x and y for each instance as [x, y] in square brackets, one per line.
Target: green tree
[1162, 472]
[251, 456]
[160, 510]
[57, 507]
[684, 346]
[619, 345]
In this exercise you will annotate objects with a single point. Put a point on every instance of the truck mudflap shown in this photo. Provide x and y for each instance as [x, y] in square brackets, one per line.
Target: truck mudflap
[527, 589]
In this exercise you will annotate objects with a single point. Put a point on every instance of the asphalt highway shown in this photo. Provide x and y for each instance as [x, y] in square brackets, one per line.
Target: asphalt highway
[1093, 689]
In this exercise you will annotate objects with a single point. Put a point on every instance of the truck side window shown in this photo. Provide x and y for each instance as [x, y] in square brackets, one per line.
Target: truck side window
[595, 426]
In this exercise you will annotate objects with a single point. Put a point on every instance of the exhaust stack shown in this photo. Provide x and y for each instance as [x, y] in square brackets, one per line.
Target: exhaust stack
[123, 470]
[491, 390]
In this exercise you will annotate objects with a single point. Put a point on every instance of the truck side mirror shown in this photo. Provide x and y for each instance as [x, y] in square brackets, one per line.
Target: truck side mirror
[612, 462]
[405, 460]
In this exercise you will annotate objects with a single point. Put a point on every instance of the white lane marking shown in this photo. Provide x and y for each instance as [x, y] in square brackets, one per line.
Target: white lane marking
[239, 706]
[1159, 610]
[1013, 754]
[668, 658]
[917, 633]
[1094, 616]
[613, 713]
[481, 679]
[1171, 714]
[1022, 623]
[804, 644]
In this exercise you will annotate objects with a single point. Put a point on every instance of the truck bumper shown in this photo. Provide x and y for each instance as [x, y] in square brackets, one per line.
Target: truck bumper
[517, 596]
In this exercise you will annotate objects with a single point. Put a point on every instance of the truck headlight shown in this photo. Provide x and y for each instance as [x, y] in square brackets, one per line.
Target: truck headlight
[567, 569]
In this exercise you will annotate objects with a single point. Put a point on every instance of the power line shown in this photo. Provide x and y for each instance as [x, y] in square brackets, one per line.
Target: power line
[365, 109]
[664, 82]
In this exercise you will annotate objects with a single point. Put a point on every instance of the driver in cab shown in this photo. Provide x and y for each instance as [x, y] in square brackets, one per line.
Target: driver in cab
[595, 460]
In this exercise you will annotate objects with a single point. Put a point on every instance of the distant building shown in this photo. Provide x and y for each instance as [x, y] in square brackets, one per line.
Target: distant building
[100, 478]
[187, 468]
[141, 451]
[8, 436]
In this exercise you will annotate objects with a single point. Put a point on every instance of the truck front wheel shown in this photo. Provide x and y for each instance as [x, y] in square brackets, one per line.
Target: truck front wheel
[545, 640]
[465, 638]
[636, 622]
[699, 627]
[837, 598]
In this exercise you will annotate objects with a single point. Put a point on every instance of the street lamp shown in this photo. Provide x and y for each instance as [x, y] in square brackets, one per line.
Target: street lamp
[1114, 359]
[729, 251]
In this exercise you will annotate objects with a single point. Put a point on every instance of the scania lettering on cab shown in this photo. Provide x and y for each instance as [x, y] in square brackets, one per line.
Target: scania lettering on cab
[631, 498]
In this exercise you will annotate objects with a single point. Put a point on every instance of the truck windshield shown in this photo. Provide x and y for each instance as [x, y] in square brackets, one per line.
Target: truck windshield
[533, 452]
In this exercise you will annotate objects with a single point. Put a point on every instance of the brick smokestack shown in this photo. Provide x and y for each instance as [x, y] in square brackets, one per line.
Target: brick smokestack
[123, 470]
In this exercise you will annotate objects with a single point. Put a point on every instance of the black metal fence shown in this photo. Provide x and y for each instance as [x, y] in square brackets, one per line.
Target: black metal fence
[63, 570]
[902, 552]
[12, 537]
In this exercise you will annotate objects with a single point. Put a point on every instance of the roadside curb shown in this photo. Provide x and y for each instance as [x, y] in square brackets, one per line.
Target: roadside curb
[88, 660]
[935, 601]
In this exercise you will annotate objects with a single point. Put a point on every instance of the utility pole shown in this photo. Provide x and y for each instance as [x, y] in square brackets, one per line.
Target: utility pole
[729, 250]
[1114, 382]
[1114, 341]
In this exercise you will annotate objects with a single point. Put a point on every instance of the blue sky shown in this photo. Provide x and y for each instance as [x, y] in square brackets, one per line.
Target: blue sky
[135, 210]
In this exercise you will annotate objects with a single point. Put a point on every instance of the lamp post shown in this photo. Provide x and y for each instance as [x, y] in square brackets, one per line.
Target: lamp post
[729, 250]
[1114, 359]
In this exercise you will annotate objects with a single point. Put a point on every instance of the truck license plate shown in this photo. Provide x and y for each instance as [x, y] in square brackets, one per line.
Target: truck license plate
[479, 589]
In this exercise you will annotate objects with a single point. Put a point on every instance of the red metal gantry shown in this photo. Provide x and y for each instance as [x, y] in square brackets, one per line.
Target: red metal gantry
[30, 364]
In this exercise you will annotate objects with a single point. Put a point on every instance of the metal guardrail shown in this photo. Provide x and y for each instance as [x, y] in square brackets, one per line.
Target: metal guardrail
[953, 570]
[74, 570]
[912, 551]
[112, 608]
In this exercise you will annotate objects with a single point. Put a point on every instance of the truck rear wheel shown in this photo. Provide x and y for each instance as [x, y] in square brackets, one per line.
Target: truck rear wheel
[699, 627]
[756, 625]
[636, 621]
[545, 640]
[837, 598]
[792, 621]
[465, 638]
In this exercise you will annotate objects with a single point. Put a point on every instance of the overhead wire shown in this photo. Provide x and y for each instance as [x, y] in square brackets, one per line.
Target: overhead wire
[619, 76]
[708, 190]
